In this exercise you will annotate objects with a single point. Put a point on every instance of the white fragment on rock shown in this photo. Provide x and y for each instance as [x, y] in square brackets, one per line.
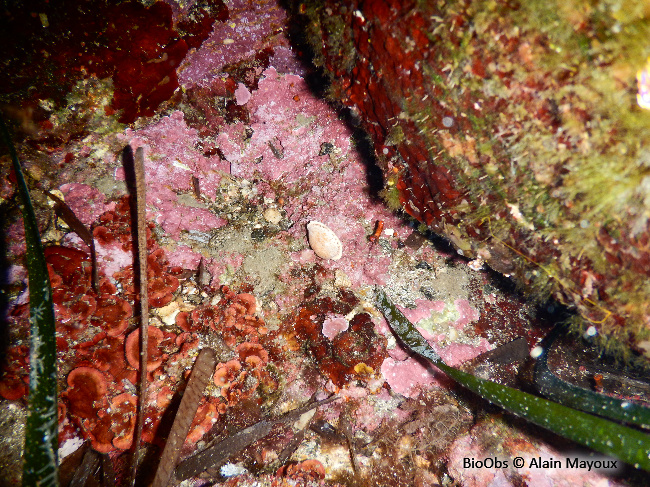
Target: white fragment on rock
[452, 335]
[324, 241]
[232, 470]
[476, 264]
[272, 215]
[242, 95]
[304, 420]
[536, 352]
[167, 314]
[181, 165]
[70, 446]
[341, 279]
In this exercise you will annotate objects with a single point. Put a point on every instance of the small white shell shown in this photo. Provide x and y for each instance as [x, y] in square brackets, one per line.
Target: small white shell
[272, 215]
[324, 241]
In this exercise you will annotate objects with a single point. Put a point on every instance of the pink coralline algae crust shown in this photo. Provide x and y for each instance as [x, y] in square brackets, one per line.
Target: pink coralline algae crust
[170, 162]
[175, 217]
[457, 353]
[283, 114]
[185, 257]
[333, 325]
[242, 95]
[289, 127]
[86, 202]
[407, 375]
[423, 309]
[466, 311]
[252, 28]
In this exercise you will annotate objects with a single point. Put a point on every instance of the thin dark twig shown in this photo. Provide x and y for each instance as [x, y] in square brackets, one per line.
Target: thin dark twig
[201, 375]
[144, 304]
[88, 467]
[346, 428]
[64, 212]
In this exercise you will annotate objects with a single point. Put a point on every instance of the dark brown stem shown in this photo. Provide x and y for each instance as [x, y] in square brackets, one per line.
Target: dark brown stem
[201, 375]
[144, 304]
[64, 212]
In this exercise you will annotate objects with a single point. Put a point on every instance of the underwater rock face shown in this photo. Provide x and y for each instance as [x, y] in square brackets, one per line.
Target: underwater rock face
[237, 163]
[513, 130]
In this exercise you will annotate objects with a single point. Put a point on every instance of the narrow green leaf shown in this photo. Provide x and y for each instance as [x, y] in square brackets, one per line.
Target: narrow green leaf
[40, 462]
[607, 437]
[556, 389]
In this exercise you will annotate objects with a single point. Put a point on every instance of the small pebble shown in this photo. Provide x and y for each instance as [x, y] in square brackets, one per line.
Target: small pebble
[536, 352]
[232, 470]
[324, 241]
[272, 215]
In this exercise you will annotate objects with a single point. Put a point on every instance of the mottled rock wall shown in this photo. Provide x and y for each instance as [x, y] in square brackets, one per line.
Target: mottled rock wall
[514, 130]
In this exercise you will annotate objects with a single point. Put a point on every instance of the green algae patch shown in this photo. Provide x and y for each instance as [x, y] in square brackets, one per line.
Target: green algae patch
[448, 315]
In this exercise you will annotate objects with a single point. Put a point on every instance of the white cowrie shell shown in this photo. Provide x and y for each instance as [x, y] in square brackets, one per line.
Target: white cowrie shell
[324, 241]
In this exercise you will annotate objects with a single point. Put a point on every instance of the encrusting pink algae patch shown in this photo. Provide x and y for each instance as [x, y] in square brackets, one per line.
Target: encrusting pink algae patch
[333, 325]
[171, 161]
[297, 129]
[407, 375]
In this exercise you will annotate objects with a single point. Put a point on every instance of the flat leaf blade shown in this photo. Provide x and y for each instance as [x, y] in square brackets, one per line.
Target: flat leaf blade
[629, 445]
[40, 461]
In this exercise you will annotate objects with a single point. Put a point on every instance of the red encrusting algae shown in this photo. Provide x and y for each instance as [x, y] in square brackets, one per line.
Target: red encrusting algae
[101, 342]
[352, 354]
